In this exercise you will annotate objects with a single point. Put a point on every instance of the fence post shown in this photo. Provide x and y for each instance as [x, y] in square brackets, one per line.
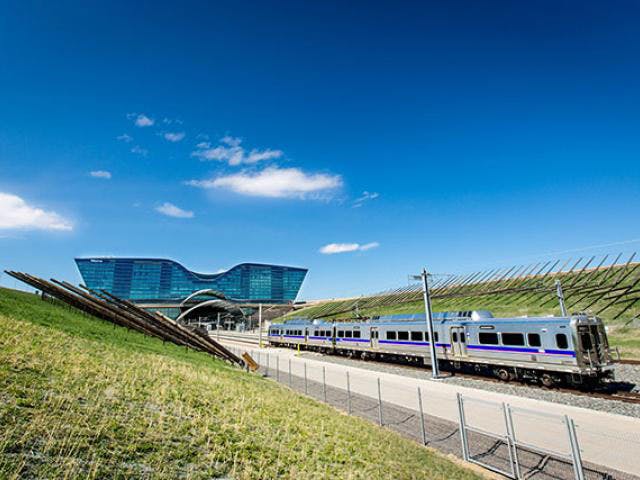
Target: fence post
[422, 428]
[511, 432]
[379, 403]
[266, 374]
[575, 448]
[277, 368]
[348, 394]
[463, 432]
[515, 469]
[289, 373]
[306, 390]
[324, 385]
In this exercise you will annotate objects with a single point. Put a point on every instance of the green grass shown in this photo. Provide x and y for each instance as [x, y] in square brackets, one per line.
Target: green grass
[82, 399]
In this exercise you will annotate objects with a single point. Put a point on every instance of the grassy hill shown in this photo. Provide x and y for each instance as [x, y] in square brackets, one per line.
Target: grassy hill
[81, 398]
[527, 296]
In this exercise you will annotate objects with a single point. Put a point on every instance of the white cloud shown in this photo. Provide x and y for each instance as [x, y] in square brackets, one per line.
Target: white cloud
[101, 174]
[138, 150]
[143, 121]
[231, 151]
[125, 138]
[171, 210]
[15, 213]
[174, 136]
[365, 197]
[273, 182]
[333, 248]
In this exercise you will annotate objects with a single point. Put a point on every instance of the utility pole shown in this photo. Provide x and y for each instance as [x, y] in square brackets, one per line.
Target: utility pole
[260, 325]
[435, 372]
[560, 295]
[218, 327]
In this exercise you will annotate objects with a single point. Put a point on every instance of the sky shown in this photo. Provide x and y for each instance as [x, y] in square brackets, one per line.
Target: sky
[361, 140]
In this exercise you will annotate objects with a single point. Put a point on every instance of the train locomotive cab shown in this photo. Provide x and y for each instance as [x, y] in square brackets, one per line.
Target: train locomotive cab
[592, 347]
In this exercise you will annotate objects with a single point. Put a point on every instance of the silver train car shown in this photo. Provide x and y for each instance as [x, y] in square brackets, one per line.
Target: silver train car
[552, 351]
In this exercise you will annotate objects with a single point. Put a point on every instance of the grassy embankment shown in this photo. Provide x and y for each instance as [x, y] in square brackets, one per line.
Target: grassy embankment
[80, 398]
[621, 335]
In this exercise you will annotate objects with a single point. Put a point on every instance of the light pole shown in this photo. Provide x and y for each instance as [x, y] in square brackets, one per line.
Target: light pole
[435, 372]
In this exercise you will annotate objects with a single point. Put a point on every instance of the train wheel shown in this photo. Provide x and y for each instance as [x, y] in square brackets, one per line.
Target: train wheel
[547, 380]
[503, 374]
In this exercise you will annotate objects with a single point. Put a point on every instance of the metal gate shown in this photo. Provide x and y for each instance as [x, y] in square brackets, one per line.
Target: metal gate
[491, 427]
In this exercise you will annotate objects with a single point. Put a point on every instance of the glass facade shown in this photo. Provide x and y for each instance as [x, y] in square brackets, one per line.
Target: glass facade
[160, 280]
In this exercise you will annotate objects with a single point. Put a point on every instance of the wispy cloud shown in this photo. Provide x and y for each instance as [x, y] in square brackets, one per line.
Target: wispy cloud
[174, 136]
[171, 210]
[138, 150]
[274, 182]
[365, 197]
[101, 174]
[141, 120]
[15, 213]
[125, 138]
[333, 248]
[230, 150]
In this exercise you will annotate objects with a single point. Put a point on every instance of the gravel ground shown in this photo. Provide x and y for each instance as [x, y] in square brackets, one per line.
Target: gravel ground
[624, 373]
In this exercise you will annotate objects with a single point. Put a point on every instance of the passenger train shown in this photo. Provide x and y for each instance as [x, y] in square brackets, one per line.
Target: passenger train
[552, 351]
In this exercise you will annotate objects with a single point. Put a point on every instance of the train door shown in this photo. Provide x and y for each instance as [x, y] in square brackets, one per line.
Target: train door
[374, 337]
[458, 342]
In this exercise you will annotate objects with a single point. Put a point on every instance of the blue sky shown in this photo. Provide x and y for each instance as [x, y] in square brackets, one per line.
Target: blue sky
[456, 135]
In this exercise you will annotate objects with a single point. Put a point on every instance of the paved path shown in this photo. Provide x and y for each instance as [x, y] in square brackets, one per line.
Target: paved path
[605, 439]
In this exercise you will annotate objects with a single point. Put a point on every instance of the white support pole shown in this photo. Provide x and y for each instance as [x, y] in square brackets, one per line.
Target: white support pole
[324, 384]
[260, 325]
[379, 404]
[560, 295]
[575, 449]
[422, 428]
[435, 372]
[348, 394]
[306, 389]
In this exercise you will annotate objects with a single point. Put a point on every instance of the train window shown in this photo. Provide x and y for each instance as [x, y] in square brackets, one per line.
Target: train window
[435, 336]
[341, 333]
[534, 340]
[356, 334]
[487, 338]
[416, 336]
[454, 337]
[348, 333]
[327, 333]
[512, 339]
[403, 335]
[561, 341]
[391, 335]
[462, 339]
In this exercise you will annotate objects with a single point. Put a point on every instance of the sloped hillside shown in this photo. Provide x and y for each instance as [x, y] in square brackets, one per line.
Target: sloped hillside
[82, 399]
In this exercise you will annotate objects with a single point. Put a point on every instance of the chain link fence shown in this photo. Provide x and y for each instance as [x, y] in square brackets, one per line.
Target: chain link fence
[518, 443]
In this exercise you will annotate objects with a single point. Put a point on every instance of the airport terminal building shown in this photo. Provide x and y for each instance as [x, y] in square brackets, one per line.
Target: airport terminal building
[157, 280]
